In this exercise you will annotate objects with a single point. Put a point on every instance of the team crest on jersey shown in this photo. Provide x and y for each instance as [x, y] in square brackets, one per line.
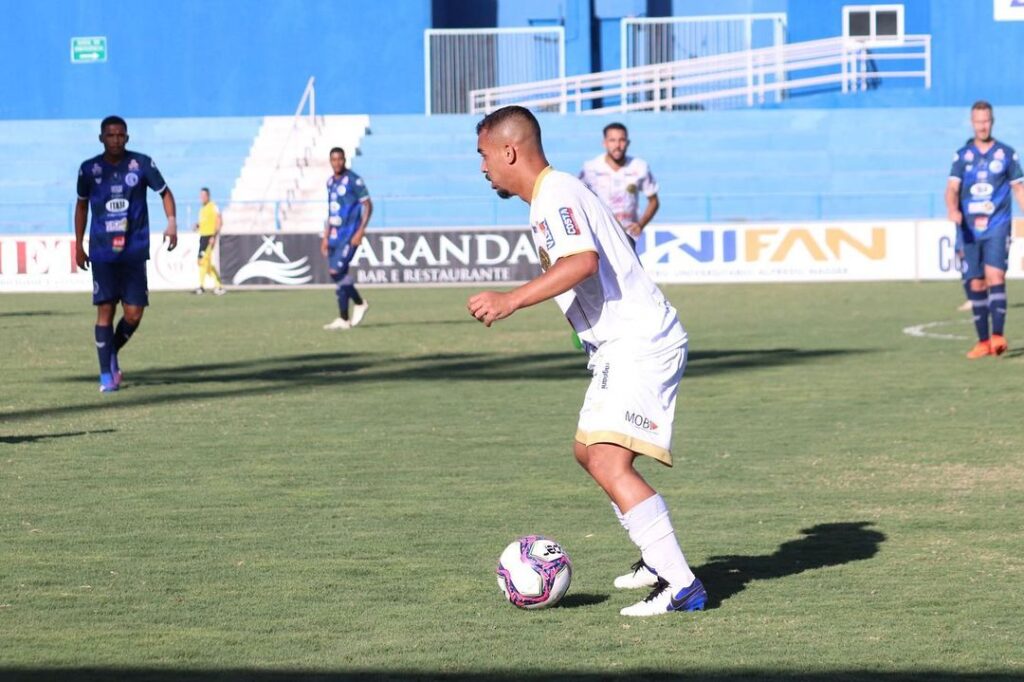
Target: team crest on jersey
[133, 165]
[631, 188]
[568, 221]
[131, 179]
[545, 259]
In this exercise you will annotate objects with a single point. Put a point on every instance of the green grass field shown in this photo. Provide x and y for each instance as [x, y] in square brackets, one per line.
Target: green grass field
[266, 500]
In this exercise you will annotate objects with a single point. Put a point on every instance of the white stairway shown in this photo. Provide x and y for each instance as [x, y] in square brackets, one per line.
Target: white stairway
[282, 181]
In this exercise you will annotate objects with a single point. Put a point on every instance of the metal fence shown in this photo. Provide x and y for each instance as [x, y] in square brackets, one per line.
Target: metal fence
[649, 41]
[459, 60]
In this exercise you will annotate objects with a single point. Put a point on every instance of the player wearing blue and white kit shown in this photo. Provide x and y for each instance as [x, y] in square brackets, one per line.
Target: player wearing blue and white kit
[984, 173]
[636, 345]
[348, 212]
[113, 185]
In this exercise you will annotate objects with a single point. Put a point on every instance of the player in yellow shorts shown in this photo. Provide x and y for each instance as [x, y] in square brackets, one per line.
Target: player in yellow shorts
[209, 229]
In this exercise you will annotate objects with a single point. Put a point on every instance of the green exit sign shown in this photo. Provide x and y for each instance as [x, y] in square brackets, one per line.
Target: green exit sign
[88, 50]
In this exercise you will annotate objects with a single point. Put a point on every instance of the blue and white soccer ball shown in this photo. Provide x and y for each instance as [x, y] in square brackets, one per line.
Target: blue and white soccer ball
[534, 572]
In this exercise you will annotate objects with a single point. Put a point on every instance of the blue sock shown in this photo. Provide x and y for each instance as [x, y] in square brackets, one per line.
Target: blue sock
[343, 291]
[356, 298]
[967, 288]
[104, 346]
[123, 333]
[997, 306]
[979, 304]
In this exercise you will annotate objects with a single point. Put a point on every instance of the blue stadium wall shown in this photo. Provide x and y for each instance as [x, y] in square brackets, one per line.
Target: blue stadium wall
[244, 58]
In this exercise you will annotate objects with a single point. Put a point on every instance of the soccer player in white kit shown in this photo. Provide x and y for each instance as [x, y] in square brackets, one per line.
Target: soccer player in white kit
[636, 345]
[619, 180]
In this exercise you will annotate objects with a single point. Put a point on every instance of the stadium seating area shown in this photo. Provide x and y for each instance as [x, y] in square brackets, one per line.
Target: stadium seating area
[783, 164]
[37, 189]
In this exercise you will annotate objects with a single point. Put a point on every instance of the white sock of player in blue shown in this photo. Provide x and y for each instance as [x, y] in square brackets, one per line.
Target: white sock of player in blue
[650, 529]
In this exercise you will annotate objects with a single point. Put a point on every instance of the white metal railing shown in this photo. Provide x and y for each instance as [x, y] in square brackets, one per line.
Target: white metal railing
[309, 123]
[646, 41]
[458, 60]
[744, 78]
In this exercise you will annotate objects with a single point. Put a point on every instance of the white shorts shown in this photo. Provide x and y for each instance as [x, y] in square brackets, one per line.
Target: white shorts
[631, 400]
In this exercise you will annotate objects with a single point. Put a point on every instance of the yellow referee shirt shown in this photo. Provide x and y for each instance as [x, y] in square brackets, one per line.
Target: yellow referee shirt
[208, 219]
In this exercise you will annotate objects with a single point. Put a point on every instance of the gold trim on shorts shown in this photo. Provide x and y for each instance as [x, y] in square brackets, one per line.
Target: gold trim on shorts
[641, 447]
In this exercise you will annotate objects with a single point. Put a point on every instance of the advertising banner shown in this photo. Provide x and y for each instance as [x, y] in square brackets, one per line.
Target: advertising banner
[779, 252]
[47, 263]
[394, 257]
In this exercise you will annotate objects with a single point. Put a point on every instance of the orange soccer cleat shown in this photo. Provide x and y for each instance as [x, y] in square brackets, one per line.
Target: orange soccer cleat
[980, 350]
[998, 344]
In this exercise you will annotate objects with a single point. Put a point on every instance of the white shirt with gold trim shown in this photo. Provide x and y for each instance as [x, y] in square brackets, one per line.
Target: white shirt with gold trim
[620, 303]
[620, 189]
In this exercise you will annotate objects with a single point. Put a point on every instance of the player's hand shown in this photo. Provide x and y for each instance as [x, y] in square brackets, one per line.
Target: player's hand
[356, 240]
[81, 257]
[956, 217]
[171, 234]
[490, 306]
[634, 230]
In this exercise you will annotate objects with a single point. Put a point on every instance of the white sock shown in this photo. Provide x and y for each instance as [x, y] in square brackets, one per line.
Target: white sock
[620, 516]
[650, 529]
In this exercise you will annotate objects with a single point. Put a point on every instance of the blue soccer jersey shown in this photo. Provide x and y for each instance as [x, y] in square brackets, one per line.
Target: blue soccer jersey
[985, 181]
[119, 230]
[345, 197]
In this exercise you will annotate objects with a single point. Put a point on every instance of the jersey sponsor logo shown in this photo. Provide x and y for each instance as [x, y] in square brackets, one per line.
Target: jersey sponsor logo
[97, 169]
[983, 175]
[116, 189]
[133, 165]
[981, 190]
[568, 221]
[1000, 154]
[131, 179]
[117, 243]
[968, 155]
[981, 223]
[996, 166]
[116, 225]
[981, 207]
[344, 181]
[605, 371]
[117, 205]
[640, 421]
[359, 182]
[334, 221]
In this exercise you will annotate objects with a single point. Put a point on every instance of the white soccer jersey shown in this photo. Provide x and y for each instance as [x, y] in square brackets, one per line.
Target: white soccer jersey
[619, 189]
[620, 303]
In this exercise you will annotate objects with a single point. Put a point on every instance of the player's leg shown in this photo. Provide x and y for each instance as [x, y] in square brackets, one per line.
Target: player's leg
[104, 296]
[134, 299]
[977, 294]
[359, 305]
[996, 259]
[203, 263]
[337, 269]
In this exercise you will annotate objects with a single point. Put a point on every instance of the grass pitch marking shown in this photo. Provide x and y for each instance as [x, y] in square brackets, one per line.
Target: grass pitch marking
[921, 330]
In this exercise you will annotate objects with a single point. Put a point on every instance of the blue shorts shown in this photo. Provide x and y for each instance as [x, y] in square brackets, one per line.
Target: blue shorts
[338, 259]
[125, 282]
[993, 251]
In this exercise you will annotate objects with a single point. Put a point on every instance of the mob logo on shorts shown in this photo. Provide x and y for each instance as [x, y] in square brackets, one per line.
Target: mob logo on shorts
[568, 221]
[640, 421]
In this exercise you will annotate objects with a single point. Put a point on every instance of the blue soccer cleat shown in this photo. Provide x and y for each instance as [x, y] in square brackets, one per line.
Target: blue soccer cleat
[665, 599]
[107, 383]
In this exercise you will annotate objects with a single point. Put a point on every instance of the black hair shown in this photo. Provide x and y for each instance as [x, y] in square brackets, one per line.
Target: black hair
[204, 189]
[615, 126]
[499, 116]
[339, 150]
[113, 120]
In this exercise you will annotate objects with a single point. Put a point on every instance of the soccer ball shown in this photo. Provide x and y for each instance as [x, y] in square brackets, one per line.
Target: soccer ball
[534, 572]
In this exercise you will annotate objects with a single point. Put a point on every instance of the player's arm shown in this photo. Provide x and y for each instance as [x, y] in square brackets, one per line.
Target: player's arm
[217, 229]
[953, 201]
[357, 238]
[81, 216]
[653, 204]
[567, 272]
[171, 211]
[1018, 192]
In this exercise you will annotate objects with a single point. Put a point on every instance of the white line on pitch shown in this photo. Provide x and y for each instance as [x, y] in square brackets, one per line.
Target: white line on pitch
[918, 330]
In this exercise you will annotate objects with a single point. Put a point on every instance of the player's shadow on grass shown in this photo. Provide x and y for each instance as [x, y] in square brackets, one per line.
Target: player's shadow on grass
[36, 437]
[31, 313]
[573, 600]
[826, 544]
[703, 362]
